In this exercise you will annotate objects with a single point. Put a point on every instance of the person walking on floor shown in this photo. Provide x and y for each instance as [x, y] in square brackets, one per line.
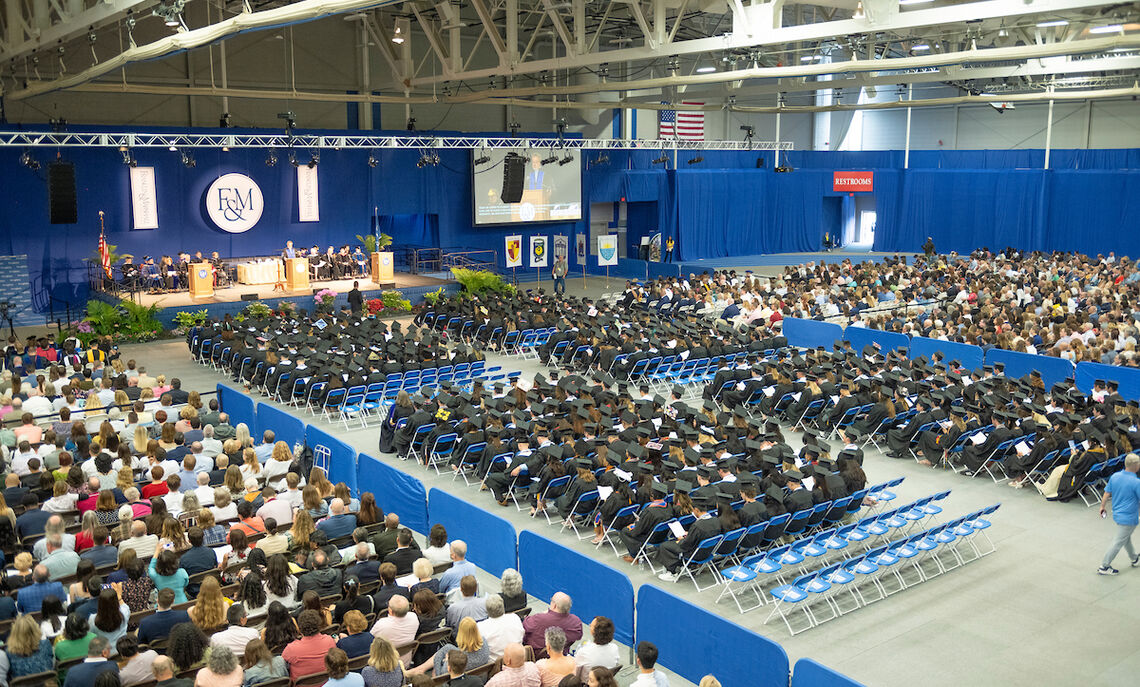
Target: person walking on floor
[1123, 490]
[928, 247]
[559, 273]
[668, 250]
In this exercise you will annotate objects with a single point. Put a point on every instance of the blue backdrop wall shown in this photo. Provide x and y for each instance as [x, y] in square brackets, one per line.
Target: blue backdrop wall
[722, 206]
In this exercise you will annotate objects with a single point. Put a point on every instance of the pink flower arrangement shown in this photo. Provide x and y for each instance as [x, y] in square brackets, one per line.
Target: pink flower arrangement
[325, 297]
[84, 327]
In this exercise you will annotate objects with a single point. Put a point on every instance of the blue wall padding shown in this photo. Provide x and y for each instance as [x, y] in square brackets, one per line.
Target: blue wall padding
[396, 492]
[286, 427]
[811, 333]
[863, 336]
[1019, 364]
[595, 588]
[688, 638]
[808, 673]
[970, 357]
[1127, 377]
[491, 540]
[238, 406]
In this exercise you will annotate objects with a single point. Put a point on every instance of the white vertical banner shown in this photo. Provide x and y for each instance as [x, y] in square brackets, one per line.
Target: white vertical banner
[514, 251]
[607, 250]
[144, 198]
[538, 251]
[561, 246]
[308, 202]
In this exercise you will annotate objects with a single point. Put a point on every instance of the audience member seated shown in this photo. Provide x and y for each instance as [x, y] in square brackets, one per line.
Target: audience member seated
[306, 655]
[98, 661]
[221, 669]
[336, 665]
[236, 636]
[600, 650]
[351, 600]
[468, 606]
[260, 665]
[135, 667]
[516, 670]
[399, 627]
[437, 551]
[511, 590]
[499, 628]
[157, 625]
[558, 615]
[27, 651]
[384, 668]
[355, 640]
[460, 567]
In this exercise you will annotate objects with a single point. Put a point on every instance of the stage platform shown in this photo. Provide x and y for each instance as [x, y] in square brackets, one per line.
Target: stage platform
[263, 292]
[228, 300]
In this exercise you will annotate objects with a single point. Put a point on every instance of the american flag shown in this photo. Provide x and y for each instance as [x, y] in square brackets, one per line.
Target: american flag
[688, 126]
[104, 254]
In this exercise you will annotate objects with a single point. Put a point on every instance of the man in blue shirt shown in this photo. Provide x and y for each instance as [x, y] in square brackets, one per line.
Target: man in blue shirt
[1124, 491]
[157, 625]
[102, 554]
[29, 599]
[459, 567]
[338, 523]
[84, 674]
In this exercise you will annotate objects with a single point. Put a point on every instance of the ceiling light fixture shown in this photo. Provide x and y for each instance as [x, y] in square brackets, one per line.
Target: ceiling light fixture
[920, 47]
[188, 160]
[566, 160]
[696, 160]
[1052, 22]
[661, 160]
[1108, 28]
[397, 34]
[914, 2]
[271, 158]
[372, 161]
[550, 160]
[707, 69]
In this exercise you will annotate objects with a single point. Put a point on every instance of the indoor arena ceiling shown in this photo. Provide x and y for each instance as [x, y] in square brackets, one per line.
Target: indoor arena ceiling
[591, 53]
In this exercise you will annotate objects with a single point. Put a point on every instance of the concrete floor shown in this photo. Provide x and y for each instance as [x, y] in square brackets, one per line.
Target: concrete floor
[1032, 613]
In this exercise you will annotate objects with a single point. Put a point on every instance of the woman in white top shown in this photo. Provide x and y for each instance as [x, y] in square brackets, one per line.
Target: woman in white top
[280, 584]
[223, 509]
[278, 464]
[251, 467]
[61, 501]
[601, 650]
[438, 552]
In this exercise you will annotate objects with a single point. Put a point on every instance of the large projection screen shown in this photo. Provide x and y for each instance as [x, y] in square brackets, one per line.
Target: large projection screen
[552, 192]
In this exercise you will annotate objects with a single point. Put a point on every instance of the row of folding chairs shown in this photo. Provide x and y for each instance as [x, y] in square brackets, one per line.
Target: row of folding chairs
[814, 549]
[730, 547]
[855, 582]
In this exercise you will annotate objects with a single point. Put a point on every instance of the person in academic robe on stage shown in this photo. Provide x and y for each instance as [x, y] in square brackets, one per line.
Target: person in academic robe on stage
[169, 273]
[289, 251]
[333, 264]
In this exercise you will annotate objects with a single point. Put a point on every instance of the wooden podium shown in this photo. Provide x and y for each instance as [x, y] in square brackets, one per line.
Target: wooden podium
[297, 274]
[382, 268]
[201, 280]
[533, 207]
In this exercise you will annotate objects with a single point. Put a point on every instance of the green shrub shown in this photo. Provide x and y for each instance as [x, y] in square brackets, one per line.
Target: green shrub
[126, 322]
[481, 282]
[186, 319]
[394, 301]
[256, 311]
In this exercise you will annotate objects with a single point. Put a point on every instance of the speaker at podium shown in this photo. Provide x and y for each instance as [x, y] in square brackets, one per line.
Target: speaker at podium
[297, 274]
[201, 280]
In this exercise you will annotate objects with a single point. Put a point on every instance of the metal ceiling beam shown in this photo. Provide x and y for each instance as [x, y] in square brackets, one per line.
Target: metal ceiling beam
[781, 35]
[888, 78]
[73, 26]
[120, 139]
[1096, 45]
[295, 13]
[491, 29]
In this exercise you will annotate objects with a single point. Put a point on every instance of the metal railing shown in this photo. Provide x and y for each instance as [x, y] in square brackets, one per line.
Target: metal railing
[472, 260]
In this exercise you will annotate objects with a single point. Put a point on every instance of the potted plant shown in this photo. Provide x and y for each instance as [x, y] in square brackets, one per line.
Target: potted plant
[379, 259]
[375, 306]
[324, 300]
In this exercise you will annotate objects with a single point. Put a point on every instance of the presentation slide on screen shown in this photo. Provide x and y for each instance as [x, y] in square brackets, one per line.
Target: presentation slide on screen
[551, 192]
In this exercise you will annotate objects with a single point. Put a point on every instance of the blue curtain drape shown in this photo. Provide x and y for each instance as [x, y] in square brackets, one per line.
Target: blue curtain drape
[414, 229]
[1093, 212]
[963, 210]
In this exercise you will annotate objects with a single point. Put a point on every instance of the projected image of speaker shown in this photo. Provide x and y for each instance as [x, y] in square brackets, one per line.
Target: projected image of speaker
[514, 171]
[61, 193]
